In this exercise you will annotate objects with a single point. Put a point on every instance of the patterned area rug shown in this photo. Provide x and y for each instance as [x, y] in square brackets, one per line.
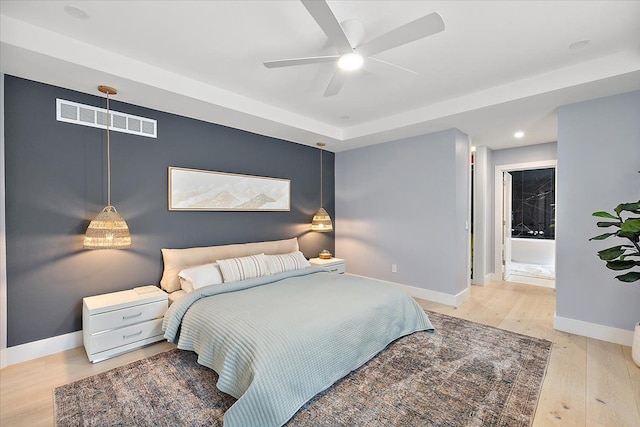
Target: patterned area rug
[464, 374]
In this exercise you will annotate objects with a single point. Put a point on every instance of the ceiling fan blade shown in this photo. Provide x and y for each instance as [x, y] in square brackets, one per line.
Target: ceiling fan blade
[375, 64]
[300, 61]
[336, 83]
[322, 14]
[420, 28]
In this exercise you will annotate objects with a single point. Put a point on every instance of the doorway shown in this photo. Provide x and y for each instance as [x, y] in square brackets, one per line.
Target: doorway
[525, 223]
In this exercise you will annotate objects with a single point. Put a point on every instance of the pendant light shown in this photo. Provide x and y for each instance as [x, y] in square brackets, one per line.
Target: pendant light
[321, 220]
[108, 230]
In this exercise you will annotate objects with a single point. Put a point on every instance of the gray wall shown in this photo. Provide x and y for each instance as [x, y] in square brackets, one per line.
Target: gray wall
[55, 175]
[406, 203]
[527, 154]
[598, 163]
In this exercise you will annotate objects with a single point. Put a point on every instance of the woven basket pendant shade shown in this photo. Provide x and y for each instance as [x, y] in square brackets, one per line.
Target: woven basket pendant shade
[108, 230]
[321, 220]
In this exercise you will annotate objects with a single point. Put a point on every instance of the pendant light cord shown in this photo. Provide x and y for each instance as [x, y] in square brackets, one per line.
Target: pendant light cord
[321, 177]
[108, 155]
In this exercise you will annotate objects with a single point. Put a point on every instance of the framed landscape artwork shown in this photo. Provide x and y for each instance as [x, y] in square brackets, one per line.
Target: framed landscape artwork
[201, 190]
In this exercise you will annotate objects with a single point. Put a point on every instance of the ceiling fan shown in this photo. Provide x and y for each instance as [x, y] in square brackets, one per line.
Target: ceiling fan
[347, 37]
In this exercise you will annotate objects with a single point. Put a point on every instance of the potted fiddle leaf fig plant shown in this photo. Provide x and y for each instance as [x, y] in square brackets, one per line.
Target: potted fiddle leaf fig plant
[622, 257]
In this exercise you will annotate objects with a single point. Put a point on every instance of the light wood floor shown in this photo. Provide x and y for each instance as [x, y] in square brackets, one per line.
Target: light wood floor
[588, 382]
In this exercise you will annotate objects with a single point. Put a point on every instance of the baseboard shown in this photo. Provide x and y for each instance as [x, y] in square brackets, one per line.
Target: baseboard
[33, 350]
[454, 300]
[593, 330]
[45, 347]
[483, 280]
[3, 358]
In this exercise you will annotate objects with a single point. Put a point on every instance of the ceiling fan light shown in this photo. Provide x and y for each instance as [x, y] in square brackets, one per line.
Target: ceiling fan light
[350, 62]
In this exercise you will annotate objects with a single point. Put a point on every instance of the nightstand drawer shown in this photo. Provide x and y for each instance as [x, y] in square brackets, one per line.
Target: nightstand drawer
[124, 336]
[127, 316]
[336, 268]
[332, 265]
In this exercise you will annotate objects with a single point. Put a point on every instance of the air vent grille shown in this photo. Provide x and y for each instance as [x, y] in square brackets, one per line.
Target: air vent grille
[87, 115]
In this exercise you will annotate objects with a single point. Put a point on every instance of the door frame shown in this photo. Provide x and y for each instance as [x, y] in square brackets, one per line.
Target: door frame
[506, 223]
[498, 201]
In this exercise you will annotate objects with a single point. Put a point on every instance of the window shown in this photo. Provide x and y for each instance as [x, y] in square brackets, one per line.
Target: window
[533, 204]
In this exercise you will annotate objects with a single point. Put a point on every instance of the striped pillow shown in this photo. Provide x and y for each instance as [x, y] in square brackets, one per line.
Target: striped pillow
[236, 269]
[286, 262]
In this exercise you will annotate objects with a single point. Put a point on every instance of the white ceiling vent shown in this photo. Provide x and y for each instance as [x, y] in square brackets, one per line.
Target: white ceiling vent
[88, 115]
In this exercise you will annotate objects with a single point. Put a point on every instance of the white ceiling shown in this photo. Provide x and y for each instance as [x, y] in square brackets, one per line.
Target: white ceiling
[498, 66]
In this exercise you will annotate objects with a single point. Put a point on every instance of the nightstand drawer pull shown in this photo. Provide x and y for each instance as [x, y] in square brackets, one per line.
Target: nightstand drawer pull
[124, 337]
[133, 316]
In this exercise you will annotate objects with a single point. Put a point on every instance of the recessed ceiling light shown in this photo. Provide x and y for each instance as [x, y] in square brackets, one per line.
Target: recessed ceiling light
[350, 61]
[579, 44]
[518, 134]
[76, 12]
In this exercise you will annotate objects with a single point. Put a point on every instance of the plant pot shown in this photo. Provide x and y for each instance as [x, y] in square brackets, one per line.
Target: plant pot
[635, 347]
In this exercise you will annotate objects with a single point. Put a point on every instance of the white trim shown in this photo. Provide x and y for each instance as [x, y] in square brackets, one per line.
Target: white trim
[45, 347]
[427, 294]
[593, 330]
[497, 234]
[534, 281]
[35, 349]
[481, 218]
[468, 218]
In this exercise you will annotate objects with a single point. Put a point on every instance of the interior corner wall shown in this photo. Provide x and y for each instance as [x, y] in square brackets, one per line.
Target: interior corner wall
[406, 203]
[56, 183]
[508, 156]
[598, 164]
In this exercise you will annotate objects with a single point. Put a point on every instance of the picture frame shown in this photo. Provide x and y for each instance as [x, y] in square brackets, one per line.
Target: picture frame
[203, 190]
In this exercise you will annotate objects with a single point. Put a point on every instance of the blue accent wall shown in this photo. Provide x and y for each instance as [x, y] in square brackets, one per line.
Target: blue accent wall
[56, 183]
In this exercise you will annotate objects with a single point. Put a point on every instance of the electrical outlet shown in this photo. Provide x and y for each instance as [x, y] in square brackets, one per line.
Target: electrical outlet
[394, 268]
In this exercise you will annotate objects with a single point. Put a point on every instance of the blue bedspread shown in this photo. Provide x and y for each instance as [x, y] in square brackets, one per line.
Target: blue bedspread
[277, 341]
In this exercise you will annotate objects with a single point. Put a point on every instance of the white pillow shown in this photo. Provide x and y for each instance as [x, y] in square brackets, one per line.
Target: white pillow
[202, 275]
[286, 262]
[248, 267]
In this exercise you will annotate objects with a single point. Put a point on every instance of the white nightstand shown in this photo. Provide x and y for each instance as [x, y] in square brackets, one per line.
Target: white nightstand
[122, 321]
[333, 265]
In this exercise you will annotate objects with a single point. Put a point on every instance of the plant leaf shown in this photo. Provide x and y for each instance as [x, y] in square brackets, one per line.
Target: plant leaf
[603, 214]
[629, 207]
[621, 265]
[605, 224]
[602, 236]
[631, 225]
[628, 235]
[611, 253]
[629, 277]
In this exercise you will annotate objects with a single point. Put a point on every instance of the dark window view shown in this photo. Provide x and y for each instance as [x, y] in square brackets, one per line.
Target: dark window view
[533, 204]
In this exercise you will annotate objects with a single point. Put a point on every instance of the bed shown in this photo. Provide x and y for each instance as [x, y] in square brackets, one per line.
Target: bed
[278, 338]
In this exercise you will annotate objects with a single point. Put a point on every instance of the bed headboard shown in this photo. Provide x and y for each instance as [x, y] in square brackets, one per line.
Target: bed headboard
[175, 260]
